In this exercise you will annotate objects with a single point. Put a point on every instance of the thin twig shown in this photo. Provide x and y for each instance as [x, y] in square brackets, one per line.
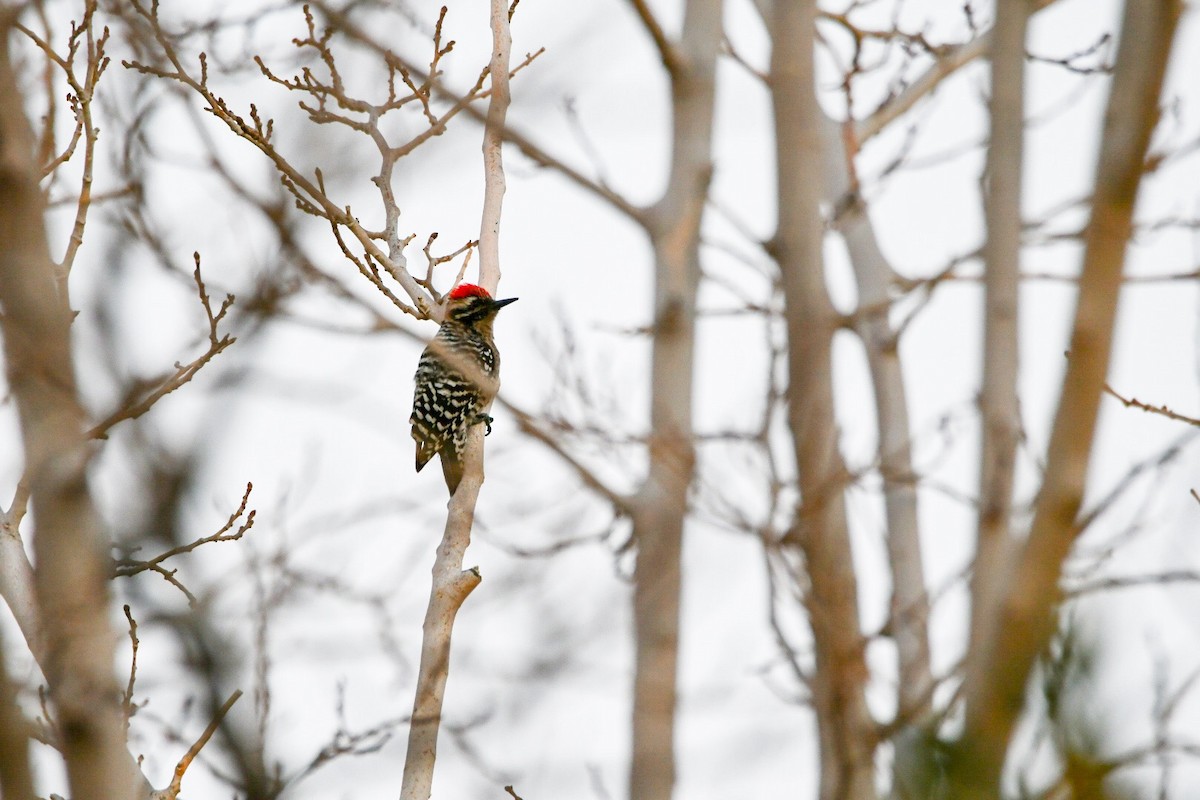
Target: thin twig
[666, 48]
[1133, 402]
[128, 567]
[948, 62]
[133, 407]
[462, 102]
[172, 791]
[620, 503]
[308, 195]
[451, 584]
[127, 701]
[1132, 582]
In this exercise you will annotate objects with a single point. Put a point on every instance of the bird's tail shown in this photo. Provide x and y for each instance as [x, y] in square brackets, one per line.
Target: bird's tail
[452, 467]
[425, 450]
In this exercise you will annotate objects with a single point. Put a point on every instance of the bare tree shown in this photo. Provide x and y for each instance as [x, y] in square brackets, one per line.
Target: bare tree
[659, 508]
[1023, 618]
[817, 176]
[916, 671]
[74, 639]
[65, 625]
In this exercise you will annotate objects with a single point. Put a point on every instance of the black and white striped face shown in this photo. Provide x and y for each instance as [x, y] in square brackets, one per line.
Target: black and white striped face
[474, 309]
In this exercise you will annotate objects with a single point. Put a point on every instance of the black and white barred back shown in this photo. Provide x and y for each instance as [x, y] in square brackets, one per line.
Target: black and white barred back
[457, 378]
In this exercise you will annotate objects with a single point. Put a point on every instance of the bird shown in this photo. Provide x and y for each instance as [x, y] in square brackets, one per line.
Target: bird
[457, 379]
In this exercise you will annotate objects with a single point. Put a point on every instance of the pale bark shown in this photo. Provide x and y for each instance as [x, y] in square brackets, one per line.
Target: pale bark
[16, 779]
[493, 139]
[996, 682]
[16, 577]
[71, 580]
[660, 505]
[908, 620]
[928, 81]
[451, 583]
[846, 730]
[999, 410]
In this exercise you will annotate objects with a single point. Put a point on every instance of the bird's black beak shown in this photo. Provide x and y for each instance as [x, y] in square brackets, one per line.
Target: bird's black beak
[497, 304]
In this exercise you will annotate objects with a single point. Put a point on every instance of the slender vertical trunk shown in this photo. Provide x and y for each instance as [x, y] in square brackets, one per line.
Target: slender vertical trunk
[72, 560]
[1002, 266]
[661, 504]
[450, 583]
[846, 730]
[908, 617]
[997, 676]
[909, 609]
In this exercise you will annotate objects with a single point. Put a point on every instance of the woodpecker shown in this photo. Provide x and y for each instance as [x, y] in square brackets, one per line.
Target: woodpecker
[457, 378]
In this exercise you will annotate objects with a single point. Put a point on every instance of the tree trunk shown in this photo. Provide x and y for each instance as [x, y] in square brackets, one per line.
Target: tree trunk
[997, 676]
[845, 727]
[661, 504]
[72, 560]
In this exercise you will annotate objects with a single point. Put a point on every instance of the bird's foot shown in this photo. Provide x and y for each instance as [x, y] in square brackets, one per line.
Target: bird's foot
[486, 419]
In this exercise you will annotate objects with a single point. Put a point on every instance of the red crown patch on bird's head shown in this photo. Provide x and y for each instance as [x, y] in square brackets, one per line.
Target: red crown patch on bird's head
[469, 290]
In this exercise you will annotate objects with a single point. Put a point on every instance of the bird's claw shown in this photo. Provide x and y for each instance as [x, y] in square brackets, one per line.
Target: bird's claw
[486, 419]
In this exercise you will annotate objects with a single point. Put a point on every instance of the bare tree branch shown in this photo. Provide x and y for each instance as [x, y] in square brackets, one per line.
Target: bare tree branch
[16, 576]
[661, 503]
[16, 778]
[217, 343]
[80, 99]
[71, 579]
[309, 193]
[820, 529]
[996, 681]
[1133, 402]
[1157, 579]
[451, 583]
[945, 65]
[909, 613]
[127, 567]
[530, 427]
[493, 160]
[667, 50]
[172, 791]
[127, 703]
[999, 408]
[524, 143]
